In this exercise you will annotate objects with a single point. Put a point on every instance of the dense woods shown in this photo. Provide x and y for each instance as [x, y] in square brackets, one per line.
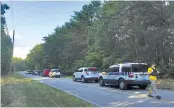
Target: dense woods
[102, 34]
[6, 44]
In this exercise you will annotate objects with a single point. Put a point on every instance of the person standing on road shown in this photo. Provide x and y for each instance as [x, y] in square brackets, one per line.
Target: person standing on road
[153, 72]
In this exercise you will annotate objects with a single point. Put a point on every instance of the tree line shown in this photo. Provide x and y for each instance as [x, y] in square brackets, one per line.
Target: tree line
[102, 34]
[6, 43]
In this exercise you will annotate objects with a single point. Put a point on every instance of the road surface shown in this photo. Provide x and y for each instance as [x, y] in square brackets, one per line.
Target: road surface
[107, 96]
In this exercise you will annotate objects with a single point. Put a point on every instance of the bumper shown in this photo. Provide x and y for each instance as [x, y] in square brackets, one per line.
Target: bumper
[134, 82]
[92, 78]
[45, 75]
[54, 75]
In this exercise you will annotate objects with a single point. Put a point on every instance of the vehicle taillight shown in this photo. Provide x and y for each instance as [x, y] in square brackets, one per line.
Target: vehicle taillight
[131, 75]
[86, 73]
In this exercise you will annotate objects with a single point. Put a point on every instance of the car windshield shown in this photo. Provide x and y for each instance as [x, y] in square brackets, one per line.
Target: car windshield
[139, 67]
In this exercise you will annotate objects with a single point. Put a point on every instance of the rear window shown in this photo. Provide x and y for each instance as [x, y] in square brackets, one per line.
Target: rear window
[56, 70]
[139, 68]
[47, 70]
[92, 69]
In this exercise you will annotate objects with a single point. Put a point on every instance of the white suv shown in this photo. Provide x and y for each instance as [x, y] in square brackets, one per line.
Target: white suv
[54, 73]
[86, 74]
[126, 75]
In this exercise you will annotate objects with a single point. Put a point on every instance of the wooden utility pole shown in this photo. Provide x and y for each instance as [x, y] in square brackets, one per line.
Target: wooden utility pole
[11, 65]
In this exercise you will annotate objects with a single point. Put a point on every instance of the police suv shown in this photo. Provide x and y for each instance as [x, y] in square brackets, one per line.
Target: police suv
[126, 75]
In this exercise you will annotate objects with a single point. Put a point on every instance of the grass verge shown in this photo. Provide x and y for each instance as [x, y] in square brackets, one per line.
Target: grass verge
[70, 77]
[17, 91]
[167, 84]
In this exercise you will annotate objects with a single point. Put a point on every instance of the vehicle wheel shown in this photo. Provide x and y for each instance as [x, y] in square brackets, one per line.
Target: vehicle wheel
[58, 76]
[122, 84]
[96, 81]
[83, 79]
[101, 82]
[142, 86]
[74, 79]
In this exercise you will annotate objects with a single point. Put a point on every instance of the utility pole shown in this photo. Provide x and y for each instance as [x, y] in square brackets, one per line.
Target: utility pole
[11, 65]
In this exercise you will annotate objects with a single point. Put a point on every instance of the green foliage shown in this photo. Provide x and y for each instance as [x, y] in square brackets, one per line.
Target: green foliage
[6, 44]
[113, 32]
[19, 64]
[35, 59]
[4, 7]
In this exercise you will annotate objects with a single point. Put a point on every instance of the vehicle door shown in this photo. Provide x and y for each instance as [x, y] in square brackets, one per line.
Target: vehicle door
[108, 75]
[79, 73]
[125, 72]
[115, 75]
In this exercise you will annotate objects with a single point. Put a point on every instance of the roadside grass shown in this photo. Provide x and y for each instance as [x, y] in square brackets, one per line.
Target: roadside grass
[70, 77]
[167, 84]
[18, 91]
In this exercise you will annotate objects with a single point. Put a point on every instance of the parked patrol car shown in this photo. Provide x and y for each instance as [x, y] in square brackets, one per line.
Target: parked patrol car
[126, 75]
[86, 74]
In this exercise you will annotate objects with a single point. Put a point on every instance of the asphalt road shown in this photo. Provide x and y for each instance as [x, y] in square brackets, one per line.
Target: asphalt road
[107, 96]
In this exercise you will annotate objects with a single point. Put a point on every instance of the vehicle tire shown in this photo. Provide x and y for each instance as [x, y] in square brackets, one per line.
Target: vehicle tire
[142, 86]
[83, 79]
[122, 84]
[74, 79]
[58, 76]
[101, 82]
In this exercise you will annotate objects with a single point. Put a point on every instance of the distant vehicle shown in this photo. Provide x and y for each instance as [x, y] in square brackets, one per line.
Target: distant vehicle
[86, 74]
[54, 73]
[126, 75]
[46, 72]
[29, 72]
[40, 72]
[35, 72]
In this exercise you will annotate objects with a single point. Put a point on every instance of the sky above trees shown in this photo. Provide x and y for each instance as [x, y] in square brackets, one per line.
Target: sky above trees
[33, 20]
